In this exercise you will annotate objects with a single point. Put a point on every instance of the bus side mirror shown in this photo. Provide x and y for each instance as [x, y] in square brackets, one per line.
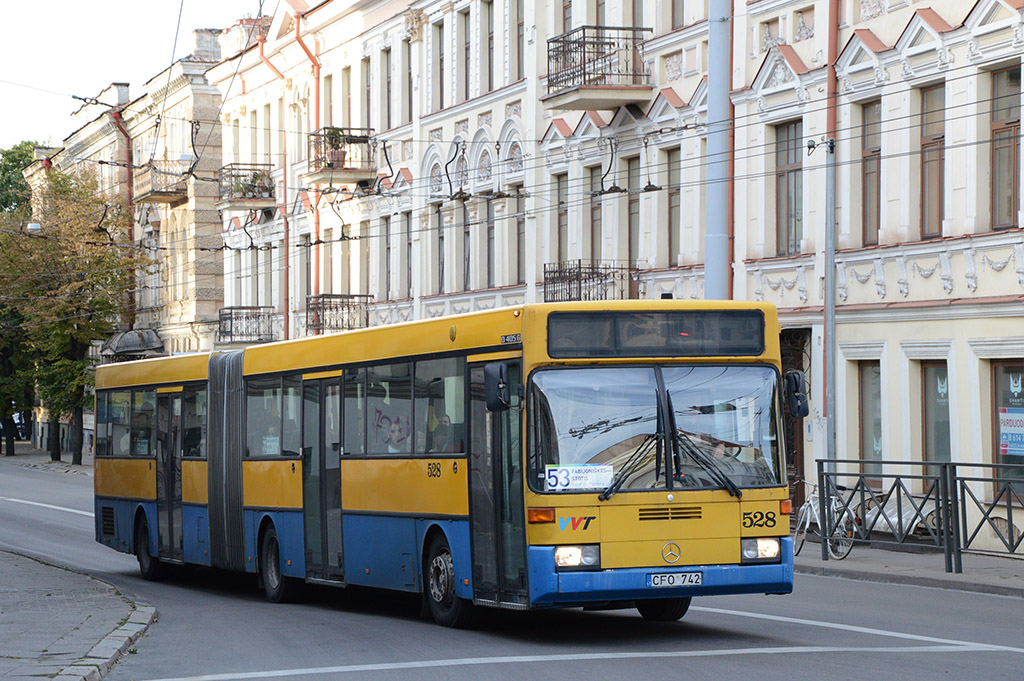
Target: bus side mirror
[496, 390]
[796, 393]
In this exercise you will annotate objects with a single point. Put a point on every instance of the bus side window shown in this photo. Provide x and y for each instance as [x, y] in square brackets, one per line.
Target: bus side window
[290, 413]
[440, 410]
[119, 410]
[263, 417]
[354, 411]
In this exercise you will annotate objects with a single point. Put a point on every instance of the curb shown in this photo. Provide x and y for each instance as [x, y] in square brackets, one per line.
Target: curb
[105, 654]
[898, 578]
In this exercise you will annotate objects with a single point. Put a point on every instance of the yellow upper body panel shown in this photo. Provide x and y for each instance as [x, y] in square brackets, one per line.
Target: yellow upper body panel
[194, 485]
[406, 486]
[177, 369]
[125, 478]
[272, 484]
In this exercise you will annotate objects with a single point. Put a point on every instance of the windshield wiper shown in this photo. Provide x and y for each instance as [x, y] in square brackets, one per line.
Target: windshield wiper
[632, 465]
[686, 443]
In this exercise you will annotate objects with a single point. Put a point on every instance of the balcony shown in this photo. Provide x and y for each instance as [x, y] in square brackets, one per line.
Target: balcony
[589, 280]
[161, 182]
[340, 156]
[246, 325]
[597, 67]
[329, 312]
[245, 186]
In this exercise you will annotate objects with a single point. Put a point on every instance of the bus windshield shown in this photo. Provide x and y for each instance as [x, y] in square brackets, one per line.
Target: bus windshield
[594, 429]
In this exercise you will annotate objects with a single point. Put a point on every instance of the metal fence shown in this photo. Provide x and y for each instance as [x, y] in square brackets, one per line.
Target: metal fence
[161, 178]
[246, 325]
[954, 507]
[597, 55]
[240, 181]
[341, 149]
[589, 280]
[336, 312]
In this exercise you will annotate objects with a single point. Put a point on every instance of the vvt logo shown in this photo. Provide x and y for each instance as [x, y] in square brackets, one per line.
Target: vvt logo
[575, 522]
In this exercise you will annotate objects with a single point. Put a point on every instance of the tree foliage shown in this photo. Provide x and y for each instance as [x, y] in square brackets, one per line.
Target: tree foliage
[70, 284]
[14, 191]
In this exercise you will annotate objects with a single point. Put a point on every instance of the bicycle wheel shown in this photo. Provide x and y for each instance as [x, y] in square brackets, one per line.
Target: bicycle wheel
[800, 529]
[841, 540]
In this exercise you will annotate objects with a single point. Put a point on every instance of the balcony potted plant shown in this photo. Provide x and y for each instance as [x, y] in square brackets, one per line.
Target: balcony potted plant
[262, 184]
[336, 152]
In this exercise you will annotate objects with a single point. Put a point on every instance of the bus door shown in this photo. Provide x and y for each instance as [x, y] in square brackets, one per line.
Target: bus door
[496, 496]
[168, 475]
[321, 477]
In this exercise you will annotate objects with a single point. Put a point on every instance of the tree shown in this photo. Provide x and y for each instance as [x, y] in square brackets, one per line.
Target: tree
[72, 285]
[14, 191]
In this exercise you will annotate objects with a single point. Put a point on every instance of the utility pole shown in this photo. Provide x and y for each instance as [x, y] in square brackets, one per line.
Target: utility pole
[716, 235]
[830, 301]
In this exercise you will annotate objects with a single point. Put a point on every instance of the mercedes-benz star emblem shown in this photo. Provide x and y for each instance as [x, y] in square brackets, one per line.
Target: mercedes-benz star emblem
[670, 552]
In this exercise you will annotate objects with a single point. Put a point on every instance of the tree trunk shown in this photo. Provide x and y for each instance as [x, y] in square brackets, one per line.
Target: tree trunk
[77, 436]
[9, 435]
[54, 439]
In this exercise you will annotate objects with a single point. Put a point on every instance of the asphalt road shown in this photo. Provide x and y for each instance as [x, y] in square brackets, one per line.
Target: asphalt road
[215, 625]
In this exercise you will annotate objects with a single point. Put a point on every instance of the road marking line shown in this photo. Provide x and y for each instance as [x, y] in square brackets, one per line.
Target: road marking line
[50, 506]
[569, 657]
[854, 628]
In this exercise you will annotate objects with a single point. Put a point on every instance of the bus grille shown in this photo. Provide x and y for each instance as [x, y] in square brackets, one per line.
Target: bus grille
[108, 521]
[671, 513]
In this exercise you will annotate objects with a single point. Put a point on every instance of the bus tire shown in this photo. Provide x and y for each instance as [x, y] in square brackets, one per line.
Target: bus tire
[663, 609]
[150, 567]
[278, 587]
[447, 609]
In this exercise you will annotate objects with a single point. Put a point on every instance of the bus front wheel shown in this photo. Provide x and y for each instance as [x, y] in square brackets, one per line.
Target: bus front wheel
[447, 608]
[663, 609]
[279, 589]
[150, 566]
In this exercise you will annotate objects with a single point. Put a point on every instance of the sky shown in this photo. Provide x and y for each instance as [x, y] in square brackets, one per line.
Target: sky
[59, 48]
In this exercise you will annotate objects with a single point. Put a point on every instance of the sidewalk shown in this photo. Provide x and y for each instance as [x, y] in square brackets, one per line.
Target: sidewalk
[57, 623]
[981, 573]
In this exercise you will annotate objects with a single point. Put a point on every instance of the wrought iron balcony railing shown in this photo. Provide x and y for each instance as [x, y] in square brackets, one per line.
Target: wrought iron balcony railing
[337, 312]
[597, 56]
[341, 149]
[246, 182]
[246, 325]
[589, 280]
[161, 182]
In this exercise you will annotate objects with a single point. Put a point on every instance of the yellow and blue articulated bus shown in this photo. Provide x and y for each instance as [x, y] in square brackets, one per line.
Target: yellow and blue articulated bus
[612, 454]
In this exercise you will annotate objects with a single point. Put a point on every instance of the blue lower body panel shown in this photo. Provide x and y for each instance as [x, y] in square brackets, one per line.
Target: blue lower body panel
[291, 542]
[123, 511]
[195, 534]
[549, 588]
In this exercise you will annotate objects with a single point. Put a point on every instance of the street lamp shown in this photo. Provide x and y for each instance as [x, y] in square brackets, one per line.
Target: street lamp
[33, 228]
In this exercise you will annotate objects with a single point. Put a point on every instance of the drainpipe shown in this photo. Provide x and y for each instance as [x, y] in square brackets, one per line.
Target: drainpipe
[285, 293]
[316, 126]
[116, 116]
[832, 95]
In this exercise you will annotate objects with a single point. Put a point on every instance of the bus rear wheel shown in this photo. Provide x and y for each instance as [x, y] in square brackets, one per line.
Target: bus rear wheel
[663, 609]
[150, 566]
[446, 607]
[279, 589]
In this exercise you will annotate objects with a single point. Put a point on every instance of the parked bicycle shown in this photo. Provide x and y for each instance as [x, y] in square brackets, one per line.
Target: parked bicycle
[845, 521]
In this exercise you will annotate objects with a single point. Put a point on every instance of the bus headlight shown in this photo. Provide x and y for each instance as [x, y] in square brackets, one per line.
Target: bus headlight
[760, 550]
[585, 557]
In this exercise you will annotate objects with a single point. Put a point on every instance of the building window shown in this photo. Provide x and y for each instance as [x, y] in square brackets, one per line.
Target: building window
[439, 67]
[870, 416]
[678, 16]
[346, 97]
[491, 256]
[789, 150]
[519, 206]
[407, 224]
[328, 100]
[520, 51]
[407, 99]
[562, 217]
[1008, 405]
[488, 57]
[1005, 147]
[364, 248]
[367, 93]
[933, 159]
[266, 134]
[467, 236]
[935, 398]
[327, 248]
[674, 206]
[467, 53]
[871, 166]
[596, 236]
[385, 227]
[440, 250]
[633, 222]
[385, 67]
[566, 16]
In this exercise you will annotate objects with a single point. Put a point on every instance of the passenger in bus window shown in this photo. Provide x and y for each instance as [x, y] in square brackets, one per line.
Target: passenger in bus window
[442, 435]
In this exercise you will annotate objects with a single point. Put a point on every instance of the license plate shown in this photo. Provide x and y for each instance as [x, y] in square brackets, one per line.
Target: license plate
[675, 579]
